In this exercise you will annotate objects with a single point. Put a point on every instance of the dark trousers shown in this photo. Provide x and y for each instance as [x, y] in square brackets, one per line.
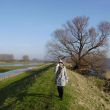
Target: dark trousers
[60, 91]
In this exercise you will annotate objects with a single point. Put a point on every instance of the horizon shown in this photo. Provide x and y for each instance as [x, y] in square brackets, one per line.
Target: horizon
[26, 26]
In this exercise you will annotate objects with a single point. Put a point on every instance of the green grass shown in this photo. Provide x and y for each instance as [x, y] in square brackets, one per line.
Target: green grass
[8, 68]
[13, 86]
[40, 95]
[37, 91]
[5, 69]
[9, 81]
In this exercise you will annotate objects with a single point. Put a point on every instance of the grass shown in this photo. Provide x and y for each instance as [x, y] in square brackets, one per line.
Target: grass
[107, 75]
[13, 86]
[40, 95]
[87, 95]
[8, 68]
[9, 81]
[5, 69]
[38, 92]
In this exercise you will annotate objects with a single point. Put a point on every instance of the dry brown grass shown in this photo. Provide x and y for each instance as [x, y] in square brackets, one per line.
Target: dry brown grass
[107, 75]
[87, 96]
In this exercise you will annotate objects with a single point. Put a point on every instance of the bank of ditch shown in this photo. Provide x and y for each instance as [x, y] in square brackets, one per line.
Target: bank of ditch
[12, 87]
[9, 68]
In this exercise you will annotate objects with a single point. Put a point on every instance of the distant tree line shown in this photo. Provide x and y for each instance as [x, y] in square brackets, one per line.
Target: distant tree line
[7, 57]
[10, 57]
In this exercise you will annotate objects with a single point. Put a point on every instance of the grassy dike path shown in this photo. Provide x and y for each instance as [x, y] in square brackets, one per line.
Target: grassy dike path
[40, 95]
[12, 89]
[81, 93]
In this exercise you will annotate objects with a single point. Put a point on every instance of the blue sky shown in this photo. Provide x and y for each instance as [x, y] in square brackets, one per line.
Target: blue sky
[27, 25]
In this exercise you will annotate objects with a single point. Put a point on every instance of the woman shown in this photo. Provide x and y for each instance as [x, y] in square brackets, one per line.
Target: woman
[61, 78]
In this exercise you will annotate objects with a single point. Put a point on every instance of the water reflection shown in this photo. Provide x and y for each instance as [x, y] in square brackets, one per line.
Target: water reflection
[20, 64]
[13, 73]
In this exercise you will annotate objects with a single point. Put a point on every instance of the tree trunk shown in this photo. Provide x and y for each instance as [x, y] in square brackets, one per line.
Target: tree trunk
[76, 66]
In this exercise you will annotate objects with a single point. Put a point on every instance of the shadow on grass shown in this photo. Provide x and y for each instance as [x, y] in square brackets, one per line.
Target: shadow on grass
[43, 99]
[17, 87]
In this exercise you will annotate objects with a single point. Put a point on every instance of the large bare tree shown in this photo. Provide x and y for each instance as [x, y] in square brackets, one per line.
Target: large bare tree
[77, 41]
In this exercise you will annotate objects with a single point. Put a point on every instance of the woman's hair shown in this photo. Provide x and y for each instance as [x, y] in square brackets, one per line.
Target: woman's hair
[59, 70]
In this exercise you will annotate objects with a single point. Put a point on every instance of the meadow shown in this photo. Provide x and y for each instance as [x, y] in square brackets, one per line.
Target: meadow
[9, 68]
[36, 90]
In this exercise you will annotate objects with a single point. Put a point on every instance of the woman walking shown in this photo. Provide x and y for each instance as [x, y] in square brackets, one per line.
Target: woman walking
[61, 78]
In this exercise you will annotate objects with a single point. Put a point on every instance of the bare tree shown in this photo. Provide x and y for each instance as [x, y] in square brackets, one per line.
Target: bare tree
[77, 41]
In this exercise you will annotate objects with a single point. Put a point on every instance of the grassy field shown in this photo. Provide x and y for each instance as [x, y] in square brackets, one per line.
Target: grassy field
[107, 75]
[8, 68]
[5, 69]
[36, 91]
[38, 94]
